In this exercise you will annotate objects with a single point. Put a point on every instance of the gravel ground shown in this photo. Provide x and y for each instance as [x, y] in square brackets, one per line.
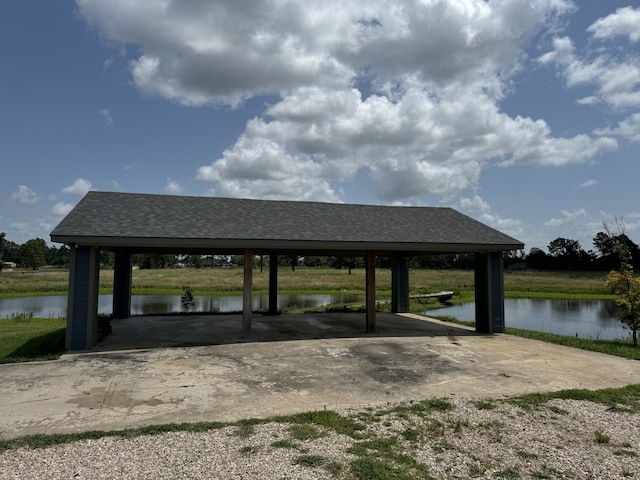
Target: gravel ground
[562, 439]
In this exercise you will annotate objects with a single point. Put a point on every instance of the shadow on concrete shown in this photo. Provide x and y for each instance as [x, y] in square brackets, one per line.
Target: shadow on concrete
[143, 332]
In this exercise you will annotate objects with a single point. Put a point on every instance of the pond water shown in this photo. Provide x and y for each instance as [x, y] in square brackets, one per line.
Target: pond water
[56, 306]
[585, 319]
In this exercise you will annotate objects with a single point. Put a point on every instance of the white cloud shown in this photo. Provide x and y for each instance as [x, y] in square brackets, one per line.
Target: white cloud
[588, 183]
[61, 209]
[625, 21]
[24, 194]
[615, 76]
[479, 209]
[204, 52]
[578, 224]
[114, 185]
[628, 128]
[79, 187]
[583, 225]
[407, 94]
[173, 187]
[106, 116]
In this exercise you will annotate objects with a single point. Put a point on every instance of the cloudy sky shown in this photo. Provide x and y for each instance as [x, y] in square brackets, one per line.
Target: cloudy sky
[523, 114]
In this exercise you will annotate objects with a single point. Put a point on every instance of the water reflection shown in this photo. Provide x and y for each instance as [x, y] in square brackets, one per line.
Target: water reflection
[56, 306]
[585, 319]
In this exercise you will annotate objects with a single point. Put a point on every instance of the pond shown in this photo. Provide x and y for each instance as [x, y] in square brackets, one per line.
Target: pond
[584, 319]
[56, 306]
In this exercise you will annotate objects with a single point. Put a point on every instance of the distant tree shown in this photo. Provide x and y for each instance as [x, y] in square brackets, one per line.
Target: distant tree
[511, 257]
[349, 262]
[537, 259]
[314, 261]
[625, 285]
[11, 252]
[564, 247]
[2, 235]
[107, 259]
[237, 260]
[33, 254]
[567, 254]
[58, 256]
[602, 243]
[465, 262]
[435, 262]
[154, 260]
[383, 262]
[195, 261]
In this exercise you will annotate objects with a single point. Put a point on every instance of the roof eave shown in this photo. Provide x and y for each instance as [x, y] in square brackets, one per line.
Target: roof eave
[180, 244]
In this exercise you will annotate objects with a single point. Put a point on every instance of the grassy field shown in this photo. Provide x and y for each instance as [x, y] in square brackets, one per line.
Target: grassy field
[578, 285]
[28, 339]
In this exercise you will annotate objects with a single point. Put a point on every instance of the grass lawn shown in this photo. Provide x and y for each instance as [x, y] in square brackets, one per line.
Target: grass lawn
[29, 339]
[225, 281]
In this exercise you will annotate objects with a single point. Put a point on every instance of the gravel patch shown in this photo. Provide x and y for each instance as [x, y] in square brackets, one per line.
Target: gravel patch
[471, 439]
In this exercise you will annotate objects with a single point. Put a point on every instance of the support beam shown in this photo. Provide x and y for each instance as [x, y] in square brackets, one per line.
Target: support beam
[273, 284]
[370, 262]
[82, 305]
[489, 292]
[247, 293]
[122, 282]
[399, 284]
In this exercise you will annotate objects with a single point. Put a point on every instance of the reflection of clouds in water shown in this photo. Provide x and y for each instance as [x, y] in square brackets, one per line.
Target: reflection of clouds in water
[588, 319]
[56, 305]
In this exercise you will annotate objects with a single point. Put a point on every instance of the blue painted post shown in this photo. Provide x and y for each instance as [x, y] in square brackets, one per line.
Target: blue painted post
[399, 284]
[489, 292]
[273, 284]
[247, 293]
[82, 307]
[370, 289]
[122, 281]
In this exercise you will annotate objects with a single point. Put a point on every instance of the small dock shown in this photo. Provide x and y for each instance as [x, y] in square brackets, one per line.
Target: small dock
[442, 297]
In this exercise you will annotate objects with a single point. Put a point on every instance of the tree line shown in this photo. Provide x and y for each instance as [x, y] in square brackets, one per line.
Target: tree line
[562, 254]
[568, 254]
[34, 253]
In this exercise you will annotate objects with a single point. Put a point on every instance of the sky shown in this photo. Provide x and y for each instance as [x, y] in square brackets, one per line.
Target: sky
[523, 114]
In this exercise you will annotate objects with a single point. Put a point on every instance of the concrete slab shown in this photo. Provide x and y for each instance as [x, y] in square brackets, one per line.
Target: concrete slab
[292, 363]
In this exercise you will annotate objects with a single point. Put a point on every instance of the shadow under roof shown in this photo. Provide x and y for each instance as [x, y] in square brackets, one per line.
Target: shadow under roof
[179, 223]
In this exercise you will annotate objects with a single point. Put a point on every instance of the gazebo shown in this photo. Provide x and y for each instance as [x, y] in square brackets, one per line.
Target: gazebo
[128, 223]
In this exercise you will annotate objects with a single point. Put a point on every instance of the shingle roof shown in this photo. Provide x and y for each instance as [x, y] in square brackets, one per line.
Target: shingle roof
[166, 221]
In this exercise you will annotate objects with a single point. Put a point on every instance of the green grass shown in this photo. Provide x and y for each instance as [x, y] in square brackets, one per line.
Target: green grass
[619, 348]
[29, 339]
[304, 432]
[207, 281]
[328, 419]
[624, 398]
[601, 437]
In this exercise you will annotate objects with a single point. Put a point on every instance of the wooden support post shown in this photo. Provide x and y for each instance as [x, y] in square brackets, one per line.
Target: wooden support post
[370, 262]
[247, 293]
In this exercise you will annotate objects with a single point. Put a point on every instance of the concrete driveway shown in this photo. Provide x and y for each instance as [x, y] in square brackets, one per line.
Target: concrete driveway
[155, 370]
